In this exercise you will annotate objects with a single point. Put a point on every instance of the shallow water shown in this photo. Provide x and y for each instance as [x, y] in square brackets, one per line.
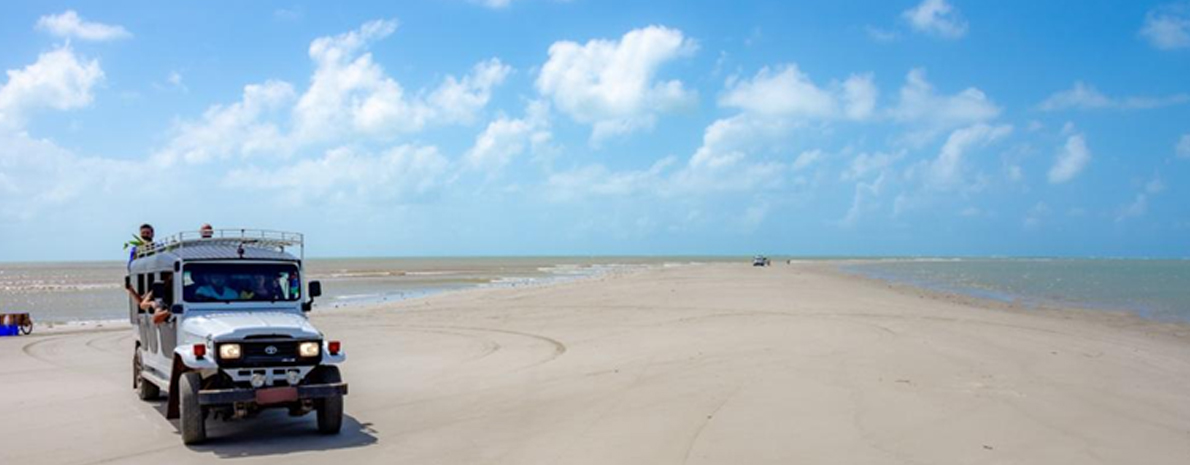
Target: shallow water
[1154, 289]
[60, 292]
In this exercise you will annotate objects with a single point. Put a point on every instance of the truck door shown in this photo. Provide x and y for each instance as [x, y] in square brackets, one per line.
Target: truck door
[167, 332]
[144, 323]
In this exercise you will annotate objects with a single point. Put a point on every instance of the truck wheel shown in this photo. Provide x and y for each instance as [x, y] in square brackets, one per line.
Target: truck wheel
[145, 389]
[330, 409]
[193, 423]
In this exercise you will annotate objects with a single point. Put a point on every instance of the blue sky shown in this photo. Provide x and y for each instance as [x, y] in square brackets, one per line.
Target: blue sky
[526, 127]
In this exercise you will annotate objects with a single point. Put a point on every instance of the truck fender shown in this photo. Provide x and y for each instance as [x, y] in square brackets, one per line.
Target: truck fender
[171, 408]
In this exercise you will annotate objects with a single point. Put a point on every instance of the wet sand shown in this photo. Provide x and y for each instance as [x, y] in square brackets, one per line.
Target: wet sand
[716, 363]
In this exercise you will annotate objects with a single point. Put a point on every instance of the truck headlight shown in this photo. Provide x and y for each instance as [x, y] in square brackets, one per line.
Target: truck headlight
[229, 351]
[309, 349]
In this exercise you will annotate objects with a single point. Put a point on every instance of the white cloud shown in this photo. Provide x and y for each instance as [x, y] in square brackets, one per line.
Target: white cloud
[807, 158]
[1183, 148]
[946, 171]
[721, 162]
[238, 129]
[1071, 160]
[865, 200]
[866, 163]
[938, 18]
[1036, 215]
[1085, 97]
[919, 104]
[598, 180]
[349, 92]
[789, 93]
[505, 138]
[881, 35]
[493, 4]
[1168, 27]
[1136, 209]
[459, 100]
[39, 178]
[400, 174]
[611, 84]
[70, 25]
[58, 80]
[1155, 186]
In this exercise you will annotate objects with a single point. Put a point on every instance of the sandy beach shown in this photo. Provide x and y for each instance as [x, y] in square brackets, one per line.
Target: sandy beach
[720, 363]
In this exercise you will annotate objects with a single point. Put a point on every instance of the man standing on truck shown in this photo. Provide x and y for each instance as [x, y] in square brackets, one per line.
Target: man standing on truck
[146, 240]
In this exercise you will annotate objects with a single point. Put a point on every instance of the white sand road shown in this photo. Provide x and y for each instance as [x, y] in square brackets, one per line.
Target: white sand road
[701, 364]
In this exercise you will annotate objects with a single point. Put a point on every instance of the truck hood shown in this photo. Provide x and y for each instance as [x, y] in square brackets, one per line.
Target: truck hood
[243, 323]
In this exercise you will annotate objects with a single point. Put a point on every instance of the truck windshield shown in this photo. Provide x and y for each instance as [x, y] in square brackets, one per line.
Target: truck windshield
[213, 282]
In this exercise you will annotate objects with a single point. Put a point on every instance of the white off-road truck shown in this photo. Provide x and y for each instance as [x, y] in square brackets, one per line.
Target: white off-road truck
[236, 339]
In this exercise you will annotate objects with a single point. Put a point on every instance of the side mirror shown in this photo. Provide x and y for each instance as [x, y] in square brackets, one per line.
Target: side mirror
[127, 282]
[307, 306]
[158, 290]
[315, 289]
[176, 309]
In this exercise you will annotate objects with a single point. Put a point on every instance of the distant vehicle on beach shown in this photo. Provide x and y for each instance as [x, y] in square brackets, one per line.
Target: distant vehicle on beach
[760, 260]
[238, 340]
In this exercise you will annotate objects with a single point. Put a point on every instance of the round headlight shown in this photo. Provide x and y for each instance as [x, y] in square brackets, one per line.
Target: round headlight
[308, 349]
[229, 351]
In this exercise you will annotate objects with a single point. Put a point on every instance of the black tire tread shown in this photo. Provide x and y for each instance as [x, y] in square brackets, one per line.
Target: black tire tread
[192, 422]
[330, 409]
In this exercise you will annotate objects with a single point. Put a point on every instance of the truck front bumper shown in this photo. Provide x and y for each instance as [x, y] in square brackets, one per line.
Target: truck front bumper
[272, 395]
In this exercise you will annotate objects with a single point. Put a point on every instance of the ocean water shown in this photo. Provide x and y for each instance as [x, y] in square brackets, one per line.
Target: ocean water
[1154, 289]
[84, 291]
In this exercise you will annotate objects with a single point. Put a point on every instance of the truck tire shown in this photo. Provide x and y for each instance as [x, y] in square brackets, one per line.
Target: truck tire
[145, 389]
[193, 421]
[329, 409]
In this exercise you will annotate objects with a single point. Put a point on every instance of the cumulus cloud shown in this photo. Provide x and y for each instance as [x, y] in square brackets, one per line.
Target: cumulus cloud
[505, 138]
[920, 105]
[938, 18]
[612, 85]
[869, 162]
[239, 129]
[58, 80]
[1168, 27]
[493, 4]
[1037, 215]
[866, 199]
[52, 190]
[69, 24]
[1086, 97]
[344, 174]
[789, 93]
[1138, 208]
[806, 159]
[350, 92]
[1071, 160]
[598, 180]
[946, 171]
[881, 35]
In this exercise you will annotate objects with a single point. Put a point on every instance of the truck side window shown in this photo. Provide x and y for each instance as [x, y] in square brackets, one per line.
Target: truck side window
[167, 278]
[140, 283]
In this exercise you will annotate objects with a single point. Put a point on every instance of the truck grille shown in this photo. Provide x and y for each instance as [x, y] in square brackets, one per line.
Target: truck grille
[261, 353]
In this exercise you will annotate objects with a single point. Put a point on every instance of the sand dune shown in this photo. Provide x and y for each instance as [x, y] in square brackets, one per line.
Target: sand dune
[720, 363]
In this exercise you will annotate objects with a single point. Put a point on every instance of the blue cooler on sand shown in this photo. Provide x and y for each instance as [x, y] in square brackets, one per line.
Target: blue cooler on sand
[8, 330]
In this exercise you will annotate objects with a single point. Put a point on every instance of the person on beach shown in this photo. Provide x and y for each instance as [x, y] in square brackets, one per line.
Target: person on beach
[146, 240]
[262, 289]
[215, 287]
[151, 303]
[207, 231]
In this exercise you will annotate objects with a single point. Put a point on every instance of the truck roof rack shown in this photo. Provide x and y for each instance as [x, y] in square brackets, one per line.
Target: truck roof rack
[242, 238]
